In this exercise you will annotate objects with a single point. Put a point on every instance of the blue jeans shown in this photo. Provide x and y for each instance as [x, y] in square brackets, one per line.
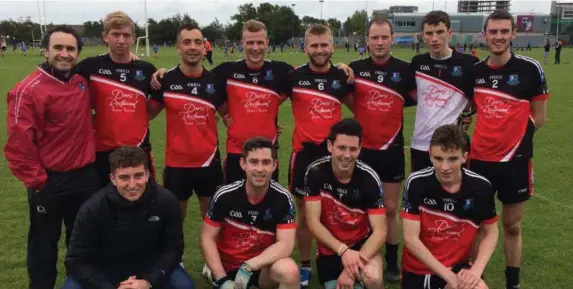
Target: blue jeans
[179, 279]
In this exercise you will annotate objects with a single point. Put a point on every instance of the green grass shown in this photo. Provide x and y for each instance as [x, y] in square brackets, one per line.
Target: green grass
[547, 226]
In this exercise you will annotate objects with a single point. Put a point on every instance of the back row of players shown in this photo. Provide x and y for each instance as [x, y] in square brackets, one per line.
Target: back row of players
[508, 92]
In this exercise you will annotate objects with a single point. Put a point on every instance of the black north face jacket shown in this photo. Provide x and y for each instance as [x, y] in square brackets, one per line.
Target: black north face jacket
[114, 238]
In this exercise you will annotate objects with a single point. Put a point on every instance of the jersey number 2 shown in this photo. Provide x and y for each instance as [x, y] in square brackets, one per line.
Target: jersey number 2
[494, 85]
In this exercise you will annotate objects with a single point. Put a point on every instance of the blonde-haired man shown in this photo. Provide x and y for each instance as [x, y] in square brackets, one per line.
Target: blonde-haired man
[119, 88]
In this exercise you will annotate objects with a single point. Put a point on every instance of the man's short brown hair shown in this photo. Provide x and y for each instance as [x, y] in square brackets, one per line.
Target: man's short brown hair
[128, 157]
[317, 30]
[499, 15]
[253, 25]
[117, 20]
[449, 137]
[436, 17]
[380, 20]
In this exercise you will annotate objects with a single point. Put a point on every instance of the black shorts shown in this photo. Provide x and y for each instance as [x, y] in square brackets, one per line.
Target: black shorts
[512, 180]
[388, 164]
[182, 182]
[234, 172]
[419, 160]
[426, 281]
[254, 281]
[103, 169]
[299, 161]
[3, 48]
[330, 267]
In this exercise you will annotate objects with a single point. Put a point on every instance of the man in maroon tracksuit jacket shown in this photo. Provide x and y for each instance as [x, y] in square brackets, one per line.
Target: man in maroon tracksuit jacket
[50, 148]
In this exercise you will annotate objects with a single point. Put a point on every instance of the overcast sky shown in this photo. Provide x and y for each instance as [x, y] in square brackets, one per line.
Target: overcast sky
[204, 11]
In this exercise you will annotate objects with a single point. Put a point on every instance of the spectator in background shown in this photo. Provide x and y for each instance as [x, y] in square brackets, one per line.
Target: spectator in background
[208, 51]
[558, 46]
[546, 48]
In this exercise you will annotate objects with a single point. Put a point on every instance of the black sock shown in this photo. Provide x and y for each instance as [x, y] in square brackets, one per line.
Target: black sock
[392, 256]
[511, 277]
[305, 263]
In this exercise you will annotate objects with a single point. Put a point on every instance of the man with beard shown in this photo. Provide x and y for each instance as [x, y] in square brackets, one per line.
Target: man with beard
[191, 96]
[442, 208]
[254, 88]
[50, 148]
[511, 100]
[119, 88]
[345, 212]
[249, 231]
[383, 87]
[444, 84]
[316, 90]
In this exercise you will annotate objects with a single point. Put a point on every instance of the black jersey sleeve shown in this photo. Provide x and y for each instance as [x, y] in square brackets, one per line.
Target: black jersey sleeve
[221, 72]
[216, 211]
[83, 69]
[486, 204]
[539, 89]
[157, 95]
[410, 83]
[285, 206]
[411, 199]
[373, 193]
[312, 182]
[287, 83]
[283, 70]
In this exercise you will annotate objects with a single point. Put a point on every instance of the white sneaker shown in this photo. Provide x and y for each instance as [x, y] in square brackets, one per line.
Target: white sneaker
[207, 273]
[182, 266]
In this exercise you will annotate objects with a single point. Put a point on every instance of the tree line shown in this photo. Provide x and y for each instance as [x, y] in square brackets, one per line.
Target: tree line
[281, 21]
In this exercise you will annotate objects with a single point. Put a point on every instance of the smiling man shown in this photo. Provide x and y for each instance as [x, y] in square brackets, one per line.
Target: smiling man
[50, 148]
[345, 213]
[511, 100]
[249, 231]
[129, 235]
[442, 209]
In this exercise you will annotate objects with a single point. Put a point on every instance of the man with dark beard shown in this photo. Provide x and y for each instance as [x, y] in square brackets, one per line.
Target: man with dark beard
[316, 90]
[191, 96]
[510, 96]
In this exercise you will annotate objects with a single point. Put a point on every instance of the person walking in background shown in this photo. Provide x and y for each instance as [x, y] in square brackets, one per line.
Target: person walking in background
[558, 46]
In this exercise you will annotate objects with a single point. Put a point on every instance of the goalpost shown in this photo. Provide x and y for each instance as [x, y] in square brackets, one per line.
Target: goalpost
[146, 37]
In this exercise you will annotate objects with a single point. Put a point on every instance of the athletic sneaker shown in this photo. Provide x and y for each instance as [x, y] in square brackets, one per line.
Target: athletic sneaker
[392, 275]
[207, 273]
[305, 273]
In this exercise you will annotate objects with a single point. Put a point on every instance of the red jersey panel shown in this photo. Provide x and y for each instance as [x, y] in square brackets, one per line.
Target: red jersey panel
[248, 229]
[380, 93]
[505, 121]
[119, 94]
[253, 97]
[316, 102]
[190, 108]
[344, 207]
[448, 221]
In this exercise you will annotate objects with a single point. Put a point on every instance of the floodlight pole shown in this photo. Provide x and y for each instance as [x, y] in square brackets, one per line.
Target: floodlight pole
[40, 17]
[321, 2]
[146, 28]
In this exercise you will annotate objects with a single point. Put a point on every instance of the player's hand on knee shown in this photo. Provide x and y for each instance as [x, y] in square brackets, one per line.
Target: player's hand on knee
[468, 279]
[243, 276]
[224, 283]
[155, 84]
[345, 281]
[353, 262]
[452, 281]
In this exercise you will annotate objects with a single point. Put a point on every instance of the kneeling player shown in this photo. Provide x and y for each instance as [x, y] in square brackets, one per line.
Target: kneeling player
[249, 230]
[345, 212]
[443, 206]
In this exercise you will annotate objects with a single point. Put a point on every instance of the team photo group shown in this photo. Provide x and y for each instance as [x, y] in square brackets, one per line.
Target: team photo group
[79, 141]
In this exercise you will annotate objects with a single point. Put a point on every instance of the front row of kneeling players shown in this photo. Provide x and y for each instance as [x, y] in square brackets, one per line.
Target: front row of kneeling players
[248, 233]
[249, 230]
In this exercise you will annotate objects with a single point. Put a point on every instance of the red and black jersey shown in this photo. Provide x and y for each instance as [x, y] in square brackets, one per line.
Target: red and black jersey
[443, 90]
[316, 102]
[381, 91]
[502, 96]
[248, 229]
[191, 105]
[253, 98]
[119, 94]
[448, 222]
[344, 207]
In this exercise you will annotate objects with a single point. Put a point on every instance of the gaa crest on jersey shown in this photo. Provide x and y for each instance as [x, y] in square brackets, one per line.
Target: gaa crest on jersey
[513, 80]
[396, 77]
[139, 75]
[335, 84]
[210, 88]
[267, 215]
[457, 71]
[269, 75]
[468, 204]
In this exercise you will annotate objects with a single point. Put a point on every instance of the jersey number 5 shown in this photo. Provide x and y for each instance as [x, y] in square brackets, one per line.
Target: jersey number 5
[122, 77]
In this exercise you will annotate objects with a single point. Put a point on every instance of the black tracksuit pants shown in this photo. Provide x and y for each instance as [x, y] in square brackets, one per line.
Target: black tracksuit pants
[58, 201]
